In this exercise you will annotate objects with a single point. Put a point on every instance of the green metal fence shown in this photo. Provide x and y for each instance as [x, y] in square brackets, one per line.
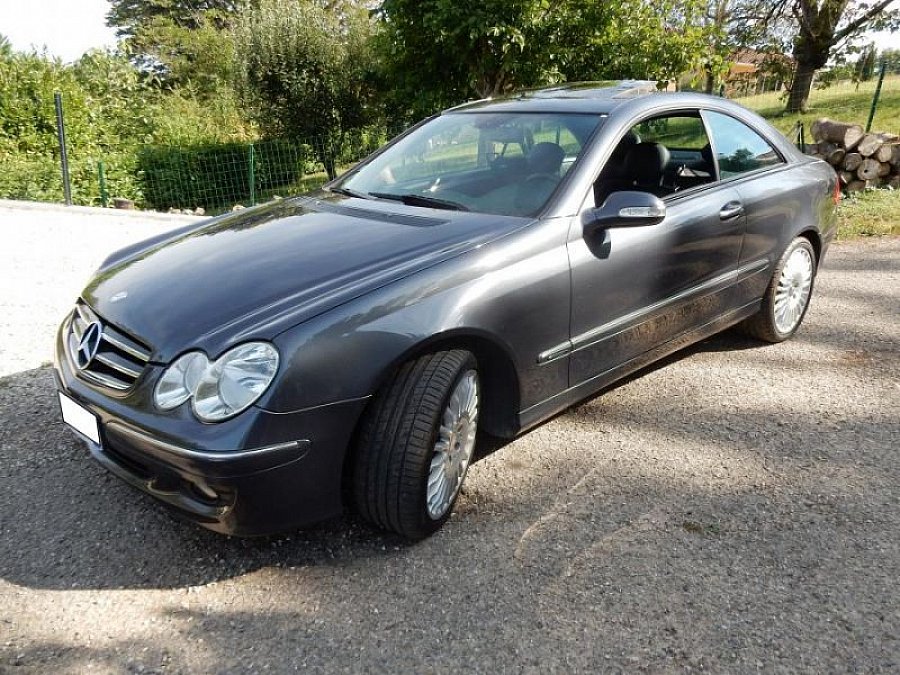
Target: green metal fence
[216, 178]
[207, 178]
[846, 101]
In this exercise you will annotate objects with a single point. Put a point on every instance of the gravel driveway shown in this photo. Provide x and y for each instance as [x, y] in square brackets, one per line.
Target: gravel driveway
[735, 510]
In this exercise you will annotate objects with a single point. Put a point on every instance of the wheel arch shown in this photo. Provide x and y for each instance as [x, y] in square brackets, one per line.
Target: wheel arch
[497, 373]
[814, 237]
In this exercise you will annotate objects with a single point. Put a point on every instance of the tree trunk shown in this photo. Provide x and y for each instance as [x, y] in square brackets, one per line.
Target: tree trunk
[803, 79]
[710, 82]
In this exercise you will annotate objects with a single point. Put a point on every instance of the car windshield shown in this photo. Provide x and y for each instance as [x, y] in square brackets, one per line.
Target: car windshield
[502, 163]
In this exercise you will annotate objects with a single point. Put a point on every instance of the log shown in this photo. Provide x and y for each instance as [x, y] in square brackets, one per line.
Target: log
[846, 177]
[885, 152]
[895, 157]
[852, 160]
[883, 169]
[836, 156]
[845, 135]
[859, 185]
[869, 169]
[869, 144]
[893, 182]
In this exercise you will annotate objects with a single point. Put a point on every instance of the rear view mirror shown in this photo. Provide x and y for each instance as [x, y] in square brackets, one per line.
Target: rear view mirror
[625, 209]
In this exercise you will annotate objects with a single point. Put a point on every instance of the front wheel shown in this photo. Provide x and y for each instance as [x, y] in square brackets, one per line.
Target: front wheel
[787, 296]
[416, 444]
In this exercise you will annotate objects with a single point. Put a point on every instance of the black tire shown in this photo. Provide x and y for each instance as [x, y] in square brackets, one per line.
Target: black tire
[396, 443]
[762, 325]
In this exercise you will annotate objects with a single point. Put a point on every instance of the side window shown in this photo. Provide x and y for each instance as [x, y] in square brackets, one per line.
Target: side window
[676, 132]
[738, 147]
[661, 155]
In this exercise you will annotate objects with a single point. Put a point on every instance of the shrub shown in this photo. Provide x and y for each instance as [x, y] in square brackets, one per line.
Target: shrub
[217, 176]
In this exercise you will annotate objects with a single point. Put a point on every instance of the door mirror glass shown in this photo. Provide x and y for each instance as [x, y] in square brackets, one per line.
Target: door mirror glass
[625, 209]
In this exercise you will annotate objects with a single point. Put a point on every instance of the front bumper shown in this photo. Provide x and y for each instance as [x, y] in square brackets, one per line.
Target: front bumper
[258, 473]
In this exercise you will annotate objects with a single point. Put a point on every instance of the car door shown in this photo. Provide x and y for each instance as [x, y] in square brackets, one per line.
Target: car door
[636, 288]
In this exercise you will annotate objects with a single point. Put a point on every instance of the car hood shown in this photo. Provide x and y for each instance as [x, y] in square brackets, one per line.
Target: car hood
[257, 272]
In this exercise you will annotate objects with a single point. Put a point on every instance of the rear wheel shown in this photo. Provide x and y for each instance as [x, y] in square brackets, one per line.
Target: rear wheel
[416, 444]
[787, 296]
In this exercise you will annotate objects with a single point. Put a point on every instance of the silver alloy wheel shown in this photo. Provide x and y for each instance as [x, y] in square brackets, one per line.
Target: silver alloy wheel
[793, 290]
[454, 446]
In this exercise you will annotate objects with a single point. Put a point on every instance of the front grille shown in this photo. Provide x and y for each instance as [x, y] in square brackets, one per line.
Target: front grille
[115, 361]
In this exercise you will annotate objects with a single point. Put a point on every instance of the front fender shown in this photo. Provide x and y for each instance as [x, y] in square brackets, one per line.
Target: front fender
[513, 293]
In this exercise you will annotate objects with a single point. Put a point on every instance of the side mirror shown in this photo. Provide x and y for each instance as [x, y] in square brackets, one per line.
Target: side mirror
[625, 209]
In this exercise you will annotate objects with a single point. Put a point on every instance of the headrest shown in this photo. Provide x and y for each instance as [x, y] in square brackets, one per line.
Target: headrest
[615, 166]
[646, 162]
[546, 158]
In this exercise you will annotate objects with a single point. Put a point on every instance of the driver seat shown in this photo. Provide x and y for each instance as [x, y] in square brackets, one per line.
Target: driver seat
[643, 169]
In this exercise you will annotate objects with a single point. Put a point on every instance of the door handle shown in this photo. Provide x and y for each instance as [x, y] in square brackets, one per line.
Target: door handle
[731, 211]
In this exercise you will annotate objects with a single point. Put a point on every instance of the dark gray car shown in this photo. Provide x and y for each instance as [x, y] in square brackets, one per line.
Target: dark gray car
[484, 271]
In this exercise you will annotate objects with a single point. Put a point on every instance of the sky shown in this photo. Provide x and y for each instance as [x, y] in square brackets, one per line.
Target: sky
[68, 28]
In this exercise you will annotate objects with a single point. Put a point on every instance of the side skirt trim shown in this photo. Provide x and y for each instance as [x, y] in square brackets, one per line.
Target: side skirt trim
[540, 412]
[606, 330]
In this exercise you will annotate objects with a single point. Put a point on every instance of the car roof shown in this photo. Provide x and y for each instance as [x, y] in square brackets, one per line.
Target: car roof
[579, 97]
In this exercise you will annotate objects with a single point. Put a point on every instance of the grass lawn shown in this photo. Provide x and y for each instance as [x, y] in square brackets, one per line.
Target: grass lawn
[842, 101]
[868, 214]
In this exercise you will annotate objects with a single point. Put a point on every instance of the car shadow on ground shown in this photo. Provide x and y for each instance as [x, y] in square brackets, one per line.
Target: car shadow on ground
[728, 341]
[67, 523]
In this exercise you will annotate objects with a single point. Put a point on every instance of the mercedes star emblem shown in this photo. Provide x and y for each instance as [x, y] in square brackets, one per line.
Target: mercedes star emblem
[88, 345]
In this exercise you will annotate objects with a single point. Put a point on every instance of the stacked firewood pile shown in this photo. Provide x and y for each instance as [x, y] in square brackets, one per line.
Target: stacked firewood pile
[861, 160]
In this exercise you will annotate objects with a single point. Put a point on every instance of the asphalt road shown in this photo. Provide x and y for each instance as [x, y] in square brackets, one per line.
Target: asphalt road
[733, 510]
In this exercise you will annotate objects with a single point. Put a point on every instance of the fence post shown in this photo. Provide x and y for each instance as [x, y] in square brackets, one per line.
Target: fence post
[876, 97]
[251, 158]
[104, 195]
[63, 155]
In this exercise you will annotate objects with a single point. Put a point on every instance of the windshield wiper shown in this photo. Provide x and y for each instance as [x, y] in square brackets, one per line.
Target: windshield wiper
[347, 192]
[421, 200]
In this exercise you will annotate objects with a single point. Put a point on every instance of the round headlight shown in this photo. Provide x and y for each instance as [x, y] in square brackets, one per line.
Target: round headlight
[179, 381]
[235, 381]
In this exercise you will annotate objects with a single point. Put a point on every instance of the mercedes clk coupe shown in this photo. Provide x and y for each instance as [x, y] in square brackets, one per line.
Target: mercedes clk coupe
[485, 270]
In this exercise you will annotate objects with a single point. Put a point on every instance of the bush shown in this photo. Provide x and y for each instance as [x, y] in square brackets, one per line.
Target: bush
[217, 176]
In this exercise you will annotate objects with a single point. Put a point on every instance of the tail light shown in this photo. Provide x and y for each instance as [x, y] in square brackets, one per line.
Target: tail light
[837, 193]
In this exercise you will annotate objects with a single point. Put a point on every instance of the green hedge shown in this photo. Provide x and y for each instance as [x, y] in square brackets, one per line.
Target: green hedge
[218, 176]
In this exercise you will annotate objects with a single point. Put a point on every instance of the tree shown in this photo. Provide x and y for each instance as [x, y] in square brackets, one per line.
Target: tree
[183, 42]
[641, 39]
[733, 25]
[441, 52]
[865, 65]
[303, 71]
[891, 59]
[824, 27]
[131, 18]
[6, 49]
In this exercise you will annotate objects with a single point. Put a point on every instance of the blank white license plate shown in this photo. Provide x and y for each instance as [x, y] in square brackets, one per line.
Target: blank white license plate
[79, 418]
